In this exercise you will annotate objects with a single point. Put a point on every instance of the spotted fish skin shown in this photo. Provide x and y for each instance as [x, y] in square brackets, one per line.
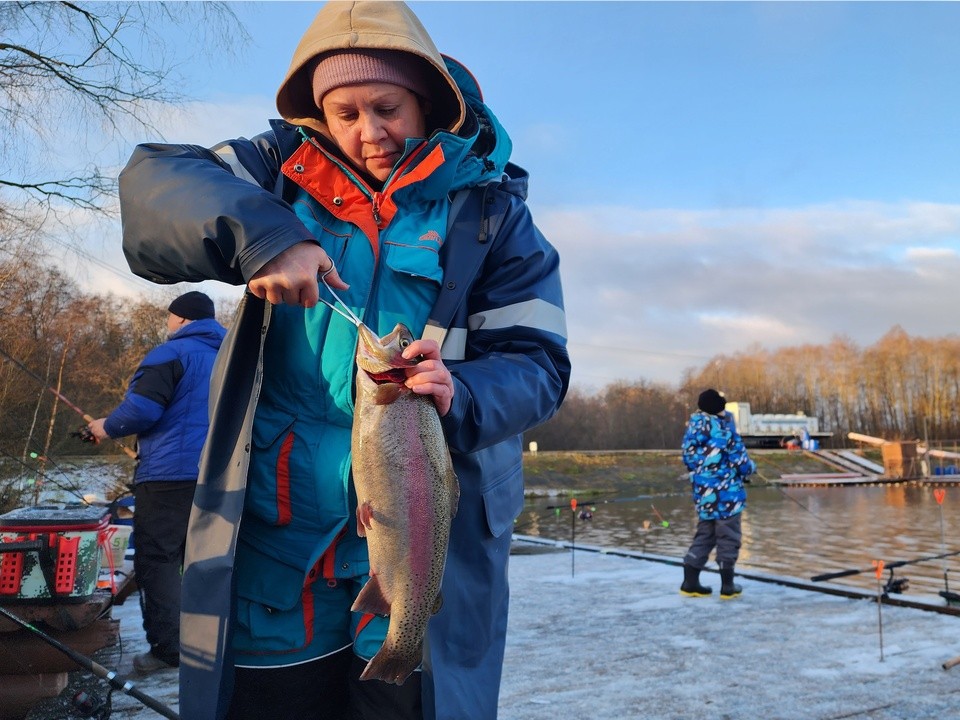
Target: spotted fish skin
[407, 495]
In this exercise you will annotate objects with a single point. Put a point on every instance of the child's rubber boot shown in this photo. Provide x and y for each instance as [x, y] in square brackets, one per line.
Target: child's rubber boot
[728, 588]
[691, 586]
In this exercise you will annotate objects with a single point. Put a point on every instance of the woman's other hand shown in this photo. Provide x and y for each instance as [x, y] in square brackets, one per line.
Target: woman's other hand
[430, 376]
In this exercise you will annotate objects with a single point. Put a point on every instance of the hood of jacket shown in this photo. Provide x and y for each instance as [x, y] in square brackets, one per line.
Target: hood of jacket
[375, 25]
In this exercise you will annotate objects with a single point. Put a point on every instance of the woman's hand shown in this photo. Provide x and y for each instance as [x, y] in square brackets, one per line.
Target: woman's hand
[292, 276]
[430, 376]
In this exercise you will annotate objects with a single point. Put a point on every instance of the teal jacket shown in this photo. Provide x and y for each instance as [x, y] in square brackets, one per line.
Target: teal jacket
[500, 319]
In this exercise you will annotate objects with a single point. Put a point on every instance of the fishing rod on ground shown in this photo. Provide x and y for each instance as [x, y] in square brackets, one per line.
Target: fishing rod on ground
[86, 416]
[117, 682]
[940, 494]
[890, 566]
[633, 498]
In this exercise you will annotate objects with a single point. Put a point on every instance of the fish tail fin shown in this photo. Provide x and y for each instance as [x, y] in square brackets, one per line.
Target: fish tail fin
[392, 666]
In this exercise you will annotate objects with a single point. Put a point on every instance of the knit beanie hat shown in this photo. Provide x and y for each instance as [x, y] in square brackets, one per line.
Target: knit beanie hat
[363, 65]
[711, 401]
[193, 306]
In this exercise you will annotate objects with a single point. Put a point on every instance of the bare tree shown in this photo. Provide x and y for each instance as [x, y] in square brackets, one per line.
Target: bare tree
[73, 75]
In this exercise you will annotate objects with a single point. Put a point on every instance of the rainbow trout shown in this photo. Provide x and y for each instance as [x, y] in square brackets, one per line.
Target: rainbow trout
[407, 495]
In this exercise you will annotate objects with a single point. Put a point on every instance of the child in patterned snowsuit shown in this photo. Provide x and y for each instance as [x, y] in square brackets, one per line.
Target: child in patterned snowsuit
[718, 463]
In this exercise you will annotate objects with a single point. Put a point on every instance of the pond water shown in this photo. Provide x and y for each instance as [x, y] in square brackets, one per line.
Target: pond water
[66, 479]
[798, 532]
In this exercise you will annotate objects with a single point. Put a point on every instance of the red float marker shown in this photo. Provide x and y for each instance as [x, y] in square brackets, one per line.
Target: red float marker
[940, 494]
[573, 534]
[878, 564]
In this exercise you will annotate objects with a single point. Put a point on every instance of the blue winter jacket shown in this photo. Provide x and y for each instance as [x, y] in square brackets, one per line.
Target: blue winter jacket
[718, 462]
[165, 405]
[498, 316]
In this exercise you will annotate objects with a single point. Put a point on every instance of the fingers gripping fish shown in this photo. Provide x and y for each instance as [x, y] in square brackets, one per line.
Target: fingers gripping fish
[407, 495]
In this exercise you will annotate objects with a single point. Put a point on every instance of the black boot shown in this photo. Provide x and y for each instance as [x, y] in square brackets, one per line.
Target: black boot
[691, 586]
[728, 588]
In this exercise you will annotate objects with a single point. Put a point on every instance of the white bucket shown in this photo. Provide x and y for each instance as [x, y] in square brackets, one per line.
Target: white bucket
[118, 546]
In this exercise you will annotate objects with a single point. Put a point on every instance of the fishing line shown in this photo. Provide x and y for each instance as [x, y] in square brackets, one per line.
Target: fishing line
[73, 489]
[790, 497]
[62, 397]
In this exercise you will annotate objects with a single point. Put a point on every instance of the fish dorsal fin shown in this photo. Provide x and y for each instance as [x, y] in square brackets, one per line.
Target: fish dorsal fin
[438, 603]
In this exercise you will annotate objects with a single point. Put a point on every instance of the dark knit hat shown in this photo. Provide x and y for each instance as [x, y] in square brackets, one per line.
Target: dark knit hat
[193, 306]
[711, 401]
[363, 65]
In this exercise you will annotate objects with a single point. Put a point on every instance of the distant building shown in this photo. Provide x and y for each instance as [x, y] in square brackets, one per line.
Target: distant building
[768, 430]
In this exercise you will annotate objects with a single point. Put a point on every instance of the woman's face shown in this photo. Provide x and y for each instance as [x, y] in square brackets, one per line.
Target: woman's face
[370, 123]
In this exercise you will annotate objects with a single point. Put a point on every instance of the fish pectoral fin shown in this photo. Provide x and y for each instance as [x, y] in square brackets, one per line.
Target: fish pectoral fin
[371, 598]
[438, 603]
[364, 518]
[388, 393]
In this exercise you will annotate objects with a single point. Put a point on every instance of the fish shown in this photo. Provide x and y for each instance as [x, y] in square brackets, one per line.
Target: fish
[407, 496]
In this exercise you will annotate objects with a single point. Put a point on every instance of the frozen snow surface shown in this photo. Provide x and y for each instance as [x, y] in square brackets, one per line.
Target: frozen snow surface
[604, 637]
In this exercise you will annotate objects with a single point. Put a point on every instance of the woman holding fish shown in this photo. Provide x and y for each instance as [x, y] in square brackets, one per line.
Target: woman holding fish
[331, 505]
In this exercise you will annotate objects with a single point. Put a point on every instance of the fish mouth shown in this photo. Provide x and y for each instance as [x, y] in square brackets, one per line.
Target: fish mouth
[396, 375]
[381, 359]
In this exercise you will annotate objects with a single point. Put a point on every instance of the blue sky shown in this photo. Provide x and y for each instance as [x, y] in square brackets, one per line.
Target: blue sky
[717, 176]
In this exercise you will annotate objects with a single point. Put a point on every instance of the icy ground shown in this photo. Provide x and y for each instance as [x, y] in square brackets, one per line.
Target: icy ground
[615, 641]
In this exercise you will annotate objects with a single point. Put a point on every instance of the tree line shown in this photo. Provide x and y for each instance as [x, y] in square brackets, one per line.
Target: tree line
[58, 338]
[900, 388]
[88, 77]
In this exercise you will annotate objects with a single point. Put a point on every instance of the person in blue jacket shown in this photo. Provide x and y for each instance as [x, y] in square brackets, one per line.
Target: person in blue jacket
[165, 406]
[389, 177]
[714, 453]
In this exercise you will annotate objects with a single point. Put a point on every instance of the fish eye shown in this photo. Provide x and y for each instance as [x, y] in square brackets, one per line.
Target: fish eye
[404, 342]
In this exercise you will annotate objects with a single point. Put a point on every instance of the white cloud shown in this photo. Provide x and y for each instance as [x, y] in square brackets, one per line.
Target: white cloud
[650, 293]
[928, 254]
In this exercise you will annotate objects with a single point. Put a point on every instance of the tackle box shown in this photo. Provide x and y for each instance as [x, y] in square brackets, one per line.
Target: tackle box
[51, 554]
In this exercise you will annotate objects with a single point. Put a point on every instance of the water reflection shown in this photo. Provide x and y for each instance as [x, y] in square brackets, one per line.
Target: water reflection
[798, 532]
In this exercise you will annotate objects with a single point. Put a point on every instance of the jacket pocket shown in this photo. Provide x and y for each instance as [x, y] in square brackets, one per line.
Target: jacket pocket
[503, 500]
[268, 488]
[419, 258]
[270, 612]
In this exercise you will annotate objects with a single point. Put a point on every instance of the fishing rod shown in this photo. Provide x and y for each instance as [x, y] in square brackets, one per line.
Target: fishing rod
[79, 411]
[898, 563]
[633, 498]
[118, 682]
